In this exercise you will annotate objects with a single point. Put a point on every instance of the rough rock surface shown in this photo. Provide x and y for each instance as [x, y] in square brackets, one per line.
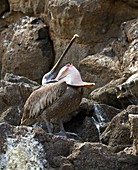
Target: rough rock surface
[118, 132]
[107, 94]
[133, 119]
[123, 90]
[128, 91]
[97, 25]
[98, 67]
[99, 22]
[14, 92]
[51, 152]
[29, 52]
[27, 7]
[132, 3]
[4, 7]
[129, 59]
[19, 146]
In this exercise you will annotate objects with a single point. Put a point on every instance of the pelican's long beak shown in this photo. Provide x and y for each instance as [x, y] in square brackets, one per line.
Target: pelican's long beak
[84, 84]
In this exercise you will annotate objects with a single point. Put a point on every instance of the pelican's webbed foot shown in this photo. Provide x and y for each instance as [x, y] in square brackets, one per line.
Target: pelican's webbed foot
[69, 135]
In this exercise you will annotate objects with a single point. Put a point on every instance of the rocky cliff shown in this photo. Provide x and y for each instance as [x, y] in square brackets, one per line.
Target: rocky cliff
[32, 37]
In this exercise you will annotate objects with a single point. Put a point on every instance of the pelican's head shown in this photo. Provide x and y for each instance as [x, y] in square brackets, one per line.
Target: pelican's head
[49, 77]
[72, 76]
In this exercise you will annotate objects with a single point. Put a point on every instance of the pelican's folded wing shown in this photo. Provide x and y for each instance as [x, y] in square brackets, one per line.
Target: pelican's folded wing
[42, 98]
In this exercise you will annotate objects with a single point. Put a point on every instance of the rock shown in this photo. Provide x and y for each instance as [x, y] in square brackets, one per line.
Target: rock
[19, 148]
[4, 7]
[93, 126]
[118, 131]
[97, 156]
[26, 147]
[95, 153]
[133, 119]
[128, 91]
[19, 79]
[97, 25]
[32, 145]
[81, 123]
[132, 3]
[63, 163]
[118, 59]
[3, 103]
[12, 115]
[5, 39]
[130, 61]
[129, 29]
[107, 94]
[90, 120]
[92, 108]
[27, 43]
[88, 131]
[103, 113]
[27, 7]
[29, 49]
[118, 93]
[61, 16]
[128, 161]
[125, 47]
[97, 68]
[14, 92]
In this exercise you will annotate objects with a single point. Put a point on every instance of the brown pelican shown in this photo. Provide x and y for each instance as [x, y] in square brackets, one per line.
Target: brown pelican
[59, 95]
[55, 99]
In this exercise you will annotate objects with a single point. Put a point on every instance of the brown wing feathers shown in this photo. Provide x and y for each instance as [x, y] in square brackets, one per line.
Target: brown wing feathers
[42, 98]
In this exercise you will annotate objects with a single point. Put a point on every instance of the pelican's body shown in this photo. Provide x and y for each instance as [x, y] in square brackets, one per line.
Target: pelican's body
[53, 100]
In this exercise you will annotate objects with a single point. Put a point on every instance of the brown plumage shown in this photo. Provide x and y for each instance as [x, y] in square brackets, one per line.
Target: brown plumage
[53, 100]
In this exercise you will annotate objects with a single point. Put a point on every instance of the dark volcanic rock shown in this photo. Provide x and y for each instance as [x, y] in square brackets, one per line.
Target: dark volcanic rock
[133, 119]
[94, 21]
[107, 94]
[14, 92]
[19, 148]
[4, 4]
[132, 3]
[130, 60]
[90, 120]
[118, 132]
[88, 131]
[3, 102]
[25, 147]
[93, 156]
[12, 115]
[98, 67]
[127, 92]
[30, 51]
